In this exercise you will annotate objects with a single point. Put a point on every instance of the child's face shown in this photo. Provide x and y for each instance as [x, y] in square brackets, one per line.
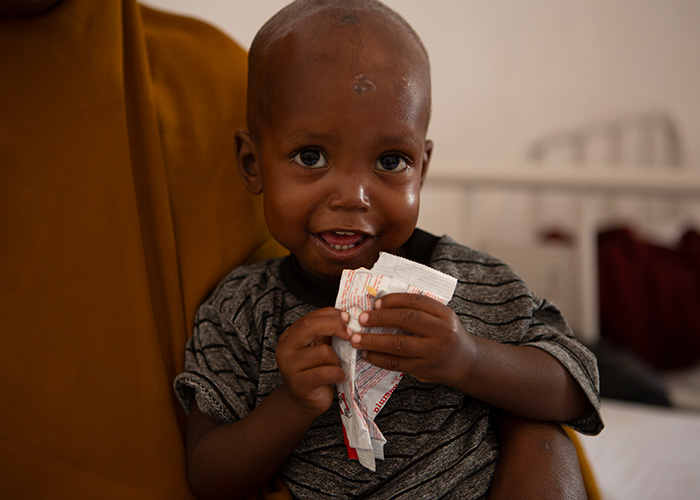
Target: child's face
[342, 156]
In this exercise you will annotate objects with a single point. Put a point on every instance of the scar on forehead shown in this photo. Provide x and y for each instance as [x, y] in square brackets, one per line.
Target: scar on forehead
[362, 85]
[349, 19]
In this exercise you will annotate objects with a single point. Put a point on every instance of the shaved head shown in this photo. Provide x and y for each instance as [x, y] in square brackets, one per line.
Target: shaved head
[300, 32]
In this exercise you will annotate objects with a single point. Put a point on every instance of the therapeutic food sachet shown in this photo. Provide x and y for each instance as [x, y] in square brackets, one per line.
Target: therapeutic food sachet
[367, 388]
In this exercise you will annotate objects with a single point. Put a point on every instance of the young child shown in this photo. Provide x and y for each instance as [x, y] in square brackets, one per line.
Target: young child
[338, 111]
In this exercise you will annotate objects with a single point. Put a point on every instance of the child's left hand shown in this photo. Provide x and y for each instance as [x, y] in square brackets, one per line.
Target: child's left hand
[439, 350]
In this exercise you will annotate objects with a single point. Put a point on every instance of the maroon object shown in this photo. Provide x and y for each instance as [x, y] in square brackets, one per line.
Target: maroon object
[650, 297]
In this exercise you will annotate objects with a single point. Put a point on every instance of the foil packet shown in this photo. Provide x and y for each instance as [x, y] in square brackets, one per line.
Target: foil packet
[367, 388]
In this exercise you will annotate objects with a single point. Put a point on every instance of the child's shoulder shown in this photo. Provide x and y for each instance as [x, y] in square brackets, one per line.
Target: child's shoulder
[472, 266]
[448, 251]
[248, 281]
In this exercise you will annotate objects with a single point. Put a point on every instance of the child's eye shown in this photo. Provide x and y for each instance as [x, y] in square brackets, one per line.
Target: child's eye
[310, 158]
[391, 163]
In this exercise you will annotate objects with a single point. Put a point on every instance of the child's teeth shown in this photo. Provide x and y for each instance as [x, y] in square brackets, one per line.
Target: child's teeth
[344, 233]
[342, 247]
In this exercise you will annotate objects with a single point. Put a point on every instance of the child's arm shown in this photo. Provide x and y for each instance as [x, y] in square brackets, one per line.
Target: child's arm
[522, 380]
[537, 461]
[234, 460]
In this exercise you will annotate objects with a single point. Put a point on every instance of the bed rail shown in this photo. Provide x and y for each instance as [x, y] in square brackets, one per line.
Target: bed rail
[458, 191]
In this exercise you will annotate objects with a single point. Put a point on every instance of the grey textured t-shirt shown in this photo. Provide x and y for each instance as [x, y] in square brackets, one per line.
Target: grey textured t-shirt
[440, 442]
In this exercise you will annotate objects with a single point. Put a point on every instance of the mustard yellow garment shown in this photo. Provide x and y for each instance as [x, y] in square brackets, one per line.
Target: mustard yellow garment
[120, 208]
[589, 479]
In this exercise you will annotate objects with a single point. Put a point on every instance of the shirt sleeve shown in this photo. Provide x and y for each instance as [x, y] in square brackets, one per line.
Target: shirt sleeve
[549, 331]
[221, 368]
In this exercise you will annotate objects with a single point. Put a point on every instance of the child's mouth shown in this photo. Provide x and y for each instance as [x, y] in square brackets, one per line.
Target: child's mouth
[342, 240]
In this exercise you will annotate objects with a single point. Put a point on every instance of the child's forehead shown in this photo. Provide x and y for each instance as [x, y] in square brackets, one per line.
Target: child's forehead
[362, 46]
[335, 49]
[341, 64]
[351, 49]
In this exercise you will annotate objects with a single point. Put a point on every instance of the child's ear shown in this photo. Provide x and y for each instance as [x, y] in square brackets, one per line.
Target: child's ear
[427, 153]
[248, 165]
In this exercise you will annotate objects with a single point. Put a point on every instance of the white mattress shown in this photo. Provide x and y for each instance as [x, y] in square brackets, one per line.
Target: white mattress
[683, 387]
[646, 452]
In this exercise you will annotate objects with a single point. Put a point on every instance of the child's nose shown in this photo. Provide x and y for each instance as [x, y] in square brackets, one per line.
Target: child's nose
[350, 193]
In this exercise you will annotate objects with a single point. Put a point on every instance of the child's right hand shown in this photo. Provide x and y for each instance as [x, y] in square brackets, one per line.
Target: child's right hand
[308, 363]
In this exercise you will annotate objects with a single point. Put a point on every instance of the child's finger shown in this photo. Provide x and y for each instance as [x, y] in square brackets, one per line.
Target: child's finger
[313, 388]
[410, 301]
[390, 362]
[321, 375]
[325, 322]
[394, 345]
[311, 357]
[416, 321]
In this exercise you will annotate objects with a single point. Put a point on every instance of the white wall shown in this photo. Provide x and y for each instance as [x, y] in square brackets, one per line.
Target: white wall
[508, 72]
